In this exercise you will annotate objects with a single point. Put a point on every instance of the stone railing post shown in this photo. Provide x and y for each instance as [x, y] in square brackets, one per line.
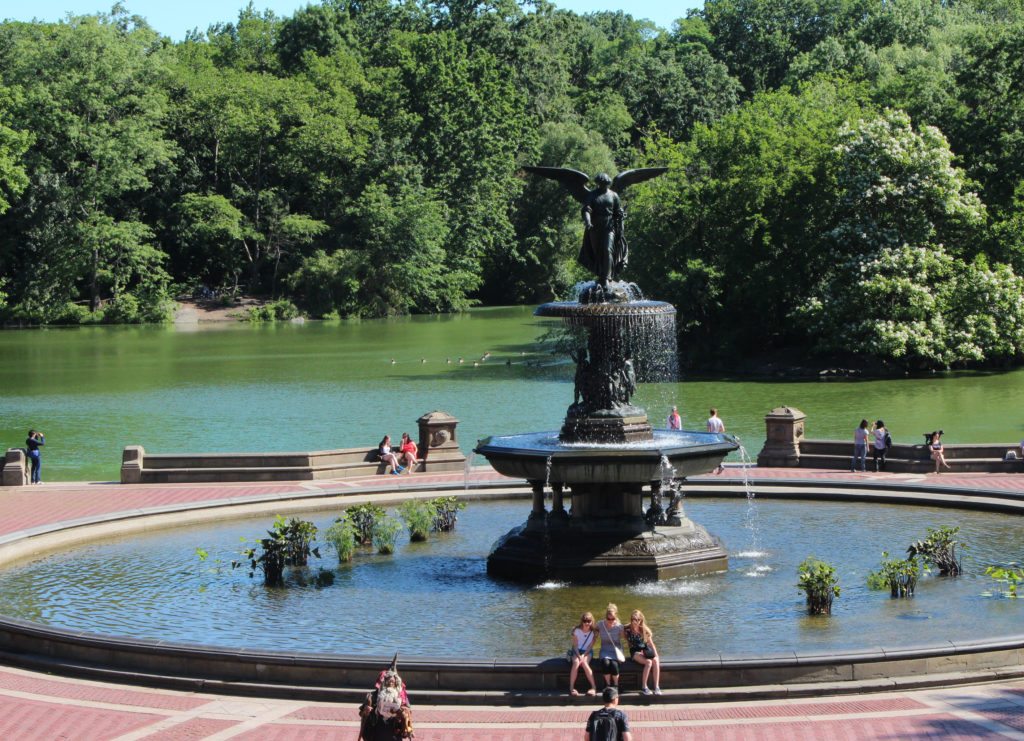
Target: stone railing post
[131, 464]
[437, 435]
[784, 433]
[15, 470]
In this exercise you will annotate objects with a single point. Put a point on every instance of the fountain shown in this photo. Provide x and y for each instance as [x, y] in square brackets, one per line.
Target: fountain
[606, 452]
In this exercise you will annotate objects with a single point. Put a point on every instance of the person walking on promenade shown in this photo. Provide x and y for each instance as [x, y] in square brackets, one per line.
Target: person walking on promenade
[880, 445]
[860, 447]
[33, 443]
[675, 422]
[643, 651]
[611, 655]
[609, 723]
[581, 653]
[715, 424]
[937, 451]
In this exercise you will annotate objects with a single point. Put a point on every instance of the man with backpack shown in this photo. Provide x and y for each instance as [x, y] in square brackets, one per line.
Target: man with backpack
[609, 723]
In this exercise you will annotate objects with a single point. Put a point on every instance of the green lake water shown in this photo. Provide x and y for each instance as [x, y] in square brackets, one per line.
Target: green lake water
[276, 387]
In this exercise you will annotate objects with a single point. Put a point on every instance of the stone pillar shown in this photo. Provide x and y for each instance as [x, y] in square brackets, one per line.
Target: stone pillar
[784, 433]
[438, 446]
[15, 468]
[538, 515]
[558, 516]
[131, 464]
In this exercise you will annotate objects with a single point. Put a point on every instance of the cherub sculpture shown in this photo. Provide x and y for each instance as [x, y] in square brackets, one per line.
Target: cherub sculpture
[604, 251]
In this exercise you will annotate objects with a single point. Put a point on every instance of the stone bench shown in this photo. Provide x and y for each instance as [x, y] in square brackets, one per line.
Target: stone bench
[437, 446]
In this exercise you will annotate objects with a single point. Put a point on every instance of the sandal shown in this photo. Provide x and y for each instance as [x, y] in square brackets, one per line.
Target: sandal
[574, 693]
[592, 691]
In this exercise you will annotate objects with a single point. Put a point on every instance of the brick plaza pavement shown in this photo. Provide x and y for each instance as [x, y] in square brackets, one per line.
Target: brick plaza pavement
[36, 706]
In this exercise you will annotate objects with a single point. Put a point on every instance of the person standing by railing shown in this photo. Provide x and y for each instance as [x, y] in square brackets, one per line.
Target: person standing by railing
[880, 445]
[33, 443]
[860, 447]
[675, 422]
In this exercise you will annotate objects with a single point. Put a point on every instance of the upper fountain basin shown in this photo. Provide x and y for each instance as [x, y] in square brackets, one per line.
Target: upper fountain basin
[542, 456]
[576, 310]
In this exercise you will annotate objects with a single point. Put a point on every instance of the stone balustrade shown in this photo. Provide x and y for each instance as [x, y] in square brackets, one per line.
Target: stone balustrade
[786, 445]
[438, 448]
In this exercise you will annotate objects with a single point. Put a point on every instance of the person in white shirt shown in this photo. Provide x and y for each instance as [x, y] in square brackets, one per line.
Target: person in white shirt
[715, 424]
[860, 447]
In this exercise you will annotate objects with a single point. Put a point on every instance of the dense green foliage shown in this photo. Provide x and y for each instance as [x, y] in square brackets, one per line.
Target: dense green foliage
[847, 176]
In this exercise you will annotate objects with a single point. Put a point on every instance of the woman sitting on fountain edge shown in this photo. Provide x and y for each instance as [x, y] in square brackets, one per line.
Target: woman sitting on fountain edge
[643, 651]
[611, 655]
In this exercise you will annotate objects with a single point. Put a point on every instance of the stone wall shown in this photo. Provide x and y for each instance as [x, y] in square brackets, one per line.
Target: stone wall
[786, 446]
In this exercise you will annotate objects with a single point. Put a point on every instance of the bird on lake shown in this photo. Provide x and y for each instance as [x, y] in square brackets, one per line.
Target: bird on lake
[476, 364]
[392, 361]
[423, 360]
[448, 361]
[461, 361]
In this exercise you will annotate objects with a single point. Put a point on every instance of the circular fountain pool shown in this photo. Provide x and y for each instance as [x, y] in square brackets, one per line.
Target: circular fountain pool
[435, 598]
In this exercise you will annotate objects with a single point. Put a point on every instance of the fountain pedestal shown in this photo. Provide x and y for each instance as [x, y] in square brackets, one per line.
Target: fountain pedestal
[605, 535]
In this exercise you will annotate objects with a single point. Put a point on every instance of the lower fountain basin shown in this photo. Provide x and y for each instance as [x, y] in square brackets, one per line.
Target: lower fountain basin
[541, 456]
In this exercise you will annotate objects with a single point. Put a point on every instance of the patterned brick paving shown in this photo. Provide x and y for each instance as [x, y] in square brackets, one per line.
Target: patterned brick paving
[1009, 716]
[70, 690]
[194, 728]
[935, 726]
[31, 719]
[579, 715]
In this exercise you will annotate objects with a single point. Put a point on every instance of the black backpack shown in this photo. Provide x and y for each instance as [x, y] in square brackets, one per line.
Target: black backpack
[606, 727]
[888, 440]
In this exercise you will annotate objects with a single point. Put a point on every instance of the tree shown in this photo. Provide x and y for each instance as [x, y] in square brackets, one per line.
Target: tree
[735, 230]
[13, 145]
[759, 39]
[90, 95]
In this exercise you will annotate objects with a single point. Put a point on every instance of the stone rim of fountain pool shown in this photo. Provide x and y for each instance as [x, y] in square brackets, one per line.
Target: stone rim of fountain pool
[486, 680]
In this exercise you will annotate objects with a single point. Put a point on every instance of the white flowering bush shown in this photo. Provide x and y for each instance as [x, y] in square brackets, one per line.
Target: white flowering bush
[900, 186]
[895, 291]
[919, 307]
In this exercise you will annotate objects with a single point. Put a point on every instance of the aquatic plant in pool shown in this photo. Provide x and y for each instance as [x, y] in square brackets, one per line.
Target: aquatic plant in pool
[290, 543]
[820, 583]
[898, 575]
[939, 548]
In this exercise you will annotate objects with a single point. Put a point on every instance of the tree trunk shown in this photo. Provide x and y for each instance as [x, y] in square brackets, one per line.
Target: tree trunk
[94, 290]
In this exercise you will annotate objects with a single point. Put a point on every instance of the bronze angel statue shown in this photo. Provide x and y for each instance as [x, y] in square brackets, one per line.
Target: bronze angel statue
[604, 251]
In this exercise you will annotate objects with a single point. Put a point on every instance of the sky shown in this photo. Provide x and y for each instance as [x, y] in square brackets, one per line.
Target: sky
[176, 18]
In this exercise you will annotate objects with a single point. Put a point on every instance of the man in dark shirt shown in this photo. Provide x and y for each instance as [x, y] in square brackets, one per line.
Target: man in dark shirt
[609, 723]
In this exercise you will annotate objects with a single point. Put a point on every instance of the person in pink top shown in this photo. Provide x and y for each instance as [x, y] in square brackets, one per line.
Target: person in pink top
[675, 422]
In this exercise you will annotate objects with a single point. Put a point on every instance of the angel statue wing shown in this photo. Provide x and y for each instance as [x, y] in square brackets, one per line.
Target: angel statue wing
[573, 180]
[624, 179]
